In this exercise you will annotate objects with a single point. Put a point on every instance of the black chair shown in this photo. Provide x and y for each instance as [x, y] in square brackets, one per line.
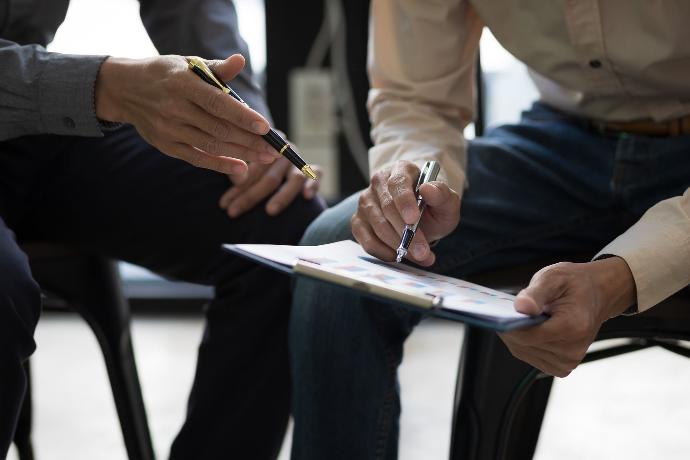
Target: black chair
[500, 401]
[90, 285]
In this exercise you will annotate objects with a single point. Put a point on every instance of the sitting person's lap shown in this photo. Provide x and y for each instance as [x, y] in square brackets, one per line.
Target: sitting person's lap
[544, 187]
[119, 197]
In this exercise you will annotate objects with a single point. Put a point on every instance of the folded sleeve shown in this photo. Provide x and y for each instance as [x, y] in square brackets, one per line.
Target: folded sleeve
[657, 250]
[421, 69]
[46, 93]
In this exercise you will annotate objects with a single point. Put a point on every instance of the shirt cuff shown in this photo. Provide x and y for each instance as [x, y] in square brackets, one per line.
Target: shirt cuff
[657, 250]
[67, 95]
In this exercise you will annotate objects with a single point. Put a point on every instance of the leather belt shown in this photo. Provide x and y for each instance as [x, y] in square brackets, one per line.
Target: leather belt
[675, 127]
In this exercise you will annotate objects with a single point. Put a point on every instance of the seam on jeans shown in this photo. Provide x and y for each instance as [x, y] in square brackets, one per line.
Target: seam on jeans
[544, 232]
[385, 419]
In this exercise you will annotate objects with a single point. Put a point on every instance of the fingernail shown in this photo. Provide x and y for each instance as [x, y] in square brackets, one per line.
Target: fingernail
[271, 209]
[232, 212]
[418, 250]
[270, 150]
[408, 215]
[266, 158]
[259, 127]
[237, 169]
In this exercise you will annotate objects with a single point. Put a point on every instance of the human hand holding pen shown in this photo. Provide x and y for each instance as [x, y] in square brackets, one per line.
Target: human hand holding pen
[390, 202]
[181, 115]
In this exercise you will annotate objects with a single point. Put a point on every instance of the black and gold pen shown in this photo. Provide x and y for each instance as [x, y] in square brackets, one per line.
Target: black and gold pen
[276, 141]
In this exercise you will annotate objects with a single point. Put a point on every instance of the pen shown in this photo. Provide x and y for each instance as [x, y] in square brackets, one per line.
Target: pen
[276, 141]
[428, 174]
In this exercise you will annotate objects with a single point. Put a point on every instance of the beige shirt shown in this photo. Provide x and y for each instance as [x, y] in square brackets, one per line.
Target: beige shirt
[615, 60]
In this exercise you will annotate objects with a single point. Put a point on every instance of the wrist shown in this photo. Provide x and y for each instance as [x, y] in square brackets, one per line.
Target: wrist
[615, 286]
[110, 89]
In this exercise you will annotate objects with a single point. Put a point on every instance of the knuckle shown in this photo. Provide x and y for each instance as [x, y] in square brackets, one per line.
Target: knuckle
[243, 118]
[272, 180]
[397, 181]
[221, 130]
[159, 124]
[210, 146]
[376, 179]
[387, 204]
[215, 102]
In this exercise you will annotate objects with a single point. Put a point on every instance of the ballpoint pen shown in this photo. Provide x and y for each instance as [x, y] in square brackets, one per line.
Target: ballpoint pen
[276, 141]
[428, 174]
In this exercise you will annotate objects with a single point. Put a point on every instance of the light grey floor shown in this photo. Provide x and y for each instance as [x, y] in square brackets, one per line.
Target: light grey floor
[634, 407]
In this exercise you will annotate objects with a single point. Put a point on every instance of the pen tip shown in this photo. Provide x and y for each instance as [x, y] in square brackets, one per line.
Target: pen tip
[307, 171]
[400, 254]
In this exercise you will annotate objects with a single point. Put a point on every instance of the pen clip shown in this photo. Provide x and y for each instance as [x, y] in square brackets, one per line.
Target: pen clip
[428, 174]
[197, 65]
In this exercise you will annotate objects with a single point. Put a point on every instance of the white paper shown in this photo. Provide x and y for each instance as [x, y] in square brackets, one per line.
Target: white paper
[349, 259]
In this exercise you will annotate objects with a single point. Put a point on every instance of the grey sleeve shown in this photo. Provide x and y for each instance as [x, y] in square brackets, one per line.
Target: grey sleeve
[46, 93]
[206, 28]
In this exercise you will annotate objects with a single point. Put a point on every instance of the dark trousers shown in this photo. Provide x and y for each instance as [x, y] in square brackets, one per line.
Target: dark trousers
[120, 197]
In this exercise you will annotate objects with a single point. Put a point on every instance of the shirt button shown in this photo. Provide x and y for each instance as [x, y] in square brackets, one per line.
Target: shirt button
[595, 63]
[68, 122]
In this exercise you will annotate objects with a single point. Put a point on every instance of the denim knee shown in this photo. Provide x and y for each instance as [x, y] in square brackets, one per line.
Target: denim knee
[333, 225]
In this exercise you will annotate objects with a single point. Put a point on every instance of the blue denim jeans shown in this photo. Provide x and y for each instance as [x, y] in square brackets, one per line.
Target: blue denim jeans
[548, 185]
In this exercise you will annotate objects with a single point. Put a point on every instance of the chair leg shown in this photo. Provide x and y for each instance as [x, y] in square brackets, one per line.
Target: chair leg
[22, 435]
[499, 402]
[107, 312]
[129, 401]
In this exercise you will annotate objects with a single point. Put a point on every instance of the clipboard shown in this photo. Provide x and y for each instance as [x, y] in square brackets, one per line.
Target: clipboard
[425, 303]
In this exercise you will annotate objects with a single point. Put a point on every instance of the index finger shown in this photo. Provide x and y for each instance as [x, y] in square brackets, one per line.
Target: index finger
[224, 106]
[401, 186]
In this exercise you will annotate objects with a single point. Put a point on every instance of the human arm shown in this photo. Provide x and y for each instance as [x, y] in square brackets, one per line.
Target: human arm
[210, 28]
[421, 69]
[643, 266]
[46, 93]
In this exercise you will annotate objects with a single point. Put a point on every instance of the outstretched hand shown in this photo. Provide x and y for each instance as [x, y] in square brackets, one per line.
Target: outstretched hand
[181, 115]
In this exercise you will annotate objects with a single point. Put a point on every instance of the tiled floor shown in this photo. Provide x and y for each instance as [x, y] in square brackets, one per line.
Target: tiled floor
[635, 407]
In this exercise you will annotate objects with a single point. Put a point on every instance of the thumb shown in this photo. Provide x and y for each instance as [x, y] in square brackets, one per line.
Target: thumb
[543, 289]
[227, 69]
[443, 201]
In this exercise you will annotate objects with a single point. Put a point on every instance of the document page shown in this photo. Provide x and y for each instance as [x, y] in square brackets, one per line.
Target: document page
[347, 258]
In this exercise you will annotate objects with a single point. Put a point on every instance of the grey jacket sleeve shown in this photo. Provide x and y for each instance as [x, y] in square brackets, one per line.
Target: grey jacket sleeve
[46, 93]
[206, 28]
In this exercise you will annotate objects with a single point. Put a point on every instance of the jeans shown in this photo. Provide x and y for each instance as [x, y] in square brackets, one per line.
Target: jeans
[546, 186]
[119, 197]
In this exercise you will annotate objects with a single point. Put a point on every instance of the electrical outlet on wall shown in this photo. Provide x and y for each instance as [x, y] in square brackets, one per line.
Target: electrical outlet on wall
[313, 125]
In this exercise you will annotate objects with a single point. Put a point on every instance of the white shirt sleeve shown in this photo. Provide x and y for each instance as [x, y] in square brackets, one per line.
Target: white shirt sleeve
[657, 250]
[421, 68]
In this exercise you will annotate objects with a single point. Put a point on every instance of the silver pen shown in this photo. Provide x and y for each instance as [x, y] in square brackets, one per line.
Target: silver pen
[428, 174]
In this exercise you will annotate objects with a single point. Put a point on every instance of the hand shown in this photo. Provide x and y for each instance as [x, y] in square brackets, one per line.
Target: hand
[281, 179]
[181, 115]
[390, 202]
[578, 298]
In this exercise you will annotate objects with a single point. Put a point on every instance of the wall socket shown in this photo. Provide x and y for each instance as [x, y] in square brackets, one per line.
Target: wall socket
[313, 126]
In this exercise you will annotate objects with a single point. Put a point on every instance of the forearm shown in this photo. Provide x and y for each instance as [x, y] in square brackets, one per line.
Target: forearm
[421, 70]
[657, 250]
[46, 93]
